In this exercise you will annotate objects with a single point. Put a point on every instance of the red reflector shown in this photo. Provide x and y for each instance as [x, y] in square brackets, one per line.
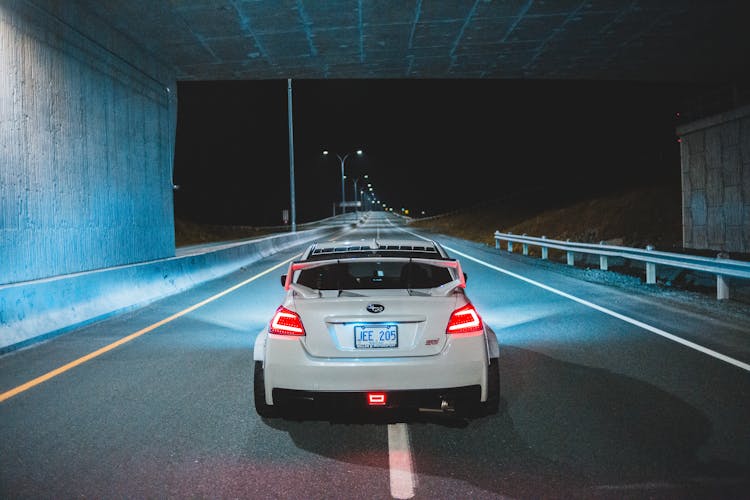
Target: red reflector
[376, 398]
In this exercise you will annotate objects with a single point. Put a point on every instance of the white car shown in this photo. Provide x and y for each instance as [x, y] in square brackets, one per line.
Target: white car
[376, 324]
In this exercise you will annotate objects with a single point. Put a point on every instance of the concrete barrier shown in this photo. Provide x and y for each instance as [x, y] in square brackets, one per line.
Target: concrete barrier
[36, 310]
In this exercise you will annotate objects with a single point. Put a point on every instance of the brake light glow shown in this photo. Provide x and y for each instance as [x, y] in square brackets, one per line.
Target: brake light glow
[464, 320]
[376, 398]
[286, 322]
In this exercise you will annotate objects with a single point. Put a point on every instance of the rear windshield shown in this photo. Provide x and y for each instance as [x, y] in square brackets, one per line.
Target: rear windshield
[374, 275]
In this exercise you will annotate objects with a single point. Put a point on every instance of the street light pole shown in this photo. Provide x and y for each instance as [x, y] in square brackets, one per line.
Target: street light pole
[291, 157]
[342, 160]
[343, 192]
[356, 180]
[355, 193]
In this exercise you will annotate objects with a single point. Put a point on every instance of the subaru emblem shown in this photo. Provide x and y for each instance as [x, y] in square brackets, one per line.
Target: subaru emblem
[375, 308]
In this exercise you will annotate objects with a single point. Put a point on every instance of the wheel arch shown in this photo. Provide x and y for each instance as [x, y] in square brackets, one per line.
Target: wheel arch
[259, 349]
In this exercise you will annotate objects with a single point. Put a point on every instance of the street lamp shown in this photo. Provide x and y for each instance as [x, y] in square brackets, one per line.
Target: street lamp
[355, 189]
[342, 160]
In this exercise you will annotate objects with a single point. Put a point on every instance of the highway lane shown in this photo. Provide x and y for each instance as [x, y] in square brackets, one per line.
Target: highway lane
[613, 408]
[594, 406]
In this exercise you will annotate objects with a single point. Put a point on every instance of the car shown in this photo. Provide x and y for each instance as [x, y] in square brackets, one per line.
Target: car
[376, 324]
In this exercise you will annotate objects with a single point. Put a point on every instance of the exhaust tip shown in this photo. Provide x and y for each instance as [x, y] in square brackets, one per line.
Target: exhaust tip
[445, 407]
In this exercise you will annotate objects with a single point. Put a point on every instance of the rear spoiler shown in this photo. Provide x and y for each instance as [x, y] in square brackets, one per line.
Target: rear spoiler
[459, 282]
[447, 288]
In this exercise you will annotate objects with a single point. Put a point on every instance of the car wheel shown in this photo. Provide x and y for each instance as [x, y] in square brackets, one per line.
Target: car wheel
[492, 405]
[259, 390]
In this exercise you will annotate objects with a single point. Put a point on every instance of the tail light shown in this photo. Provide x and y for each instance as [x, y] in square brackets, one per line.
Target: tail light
[286, 322]
[464, 320]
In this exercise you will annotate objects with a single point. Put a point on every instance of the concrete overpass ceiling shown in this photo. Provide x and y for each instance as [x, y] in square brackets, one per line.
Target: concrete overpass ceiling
[665, 40]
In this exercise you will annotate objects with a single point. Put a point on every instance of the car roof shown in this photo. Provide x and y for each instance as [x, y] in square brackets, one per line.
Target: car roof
[375, 248]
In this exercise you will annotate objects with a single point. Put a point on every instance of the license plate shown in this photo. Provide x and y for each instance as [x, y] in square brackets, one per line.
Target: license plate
[375, 336]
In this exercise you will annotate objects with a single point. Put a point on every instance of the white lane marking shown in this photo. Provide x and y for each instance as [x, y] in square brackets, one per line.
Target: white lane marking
[627, 319]
[399, 461]
[640, 324]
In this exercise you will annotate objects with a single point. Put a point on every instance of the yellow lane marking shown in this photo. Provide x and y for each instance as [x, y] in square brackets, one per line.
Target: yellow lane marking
[43, 378]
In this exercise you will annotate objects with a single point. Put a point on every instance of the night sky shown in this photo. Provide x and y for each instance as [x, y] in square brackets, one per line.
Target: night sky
[430, 145]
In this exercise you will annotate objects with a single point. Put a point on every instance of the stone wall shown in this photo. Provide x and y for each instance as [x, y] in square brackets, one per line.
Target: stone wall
[715, 157]
[87, 129]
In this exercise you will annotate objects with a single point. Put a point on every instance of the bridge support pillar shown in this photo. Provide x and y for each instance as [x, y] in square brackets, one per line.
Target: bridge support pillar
[87, 132]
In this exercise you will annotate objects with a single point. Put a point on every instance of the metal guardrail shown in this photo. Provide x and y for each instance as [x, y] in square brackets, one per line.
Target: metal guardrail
[719, 266]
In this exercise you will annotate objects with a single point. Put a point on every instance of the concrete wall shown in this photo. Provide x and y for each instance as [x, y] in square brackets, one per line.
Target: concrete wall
[87, 128]
[35, 310]
[715, 157]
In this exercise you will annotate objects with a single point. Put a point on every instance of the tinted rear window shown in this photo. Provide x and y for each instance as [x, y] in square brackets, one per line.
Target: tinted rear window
[374, 275]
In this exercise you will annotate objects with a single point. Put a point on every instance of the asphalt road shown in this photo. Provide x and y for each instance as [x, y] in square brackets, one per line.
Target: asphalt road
[597, 401]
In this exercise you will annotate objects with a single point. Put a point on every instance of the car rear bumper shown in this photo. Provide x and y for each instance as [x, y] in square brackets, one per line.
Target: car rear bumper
[444, 399]
[462, 363]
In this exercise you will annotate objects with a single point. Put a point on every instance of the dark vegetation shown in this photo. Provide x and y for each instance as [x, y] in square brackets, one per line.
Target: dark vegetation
[635, 218]
[192, 233]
